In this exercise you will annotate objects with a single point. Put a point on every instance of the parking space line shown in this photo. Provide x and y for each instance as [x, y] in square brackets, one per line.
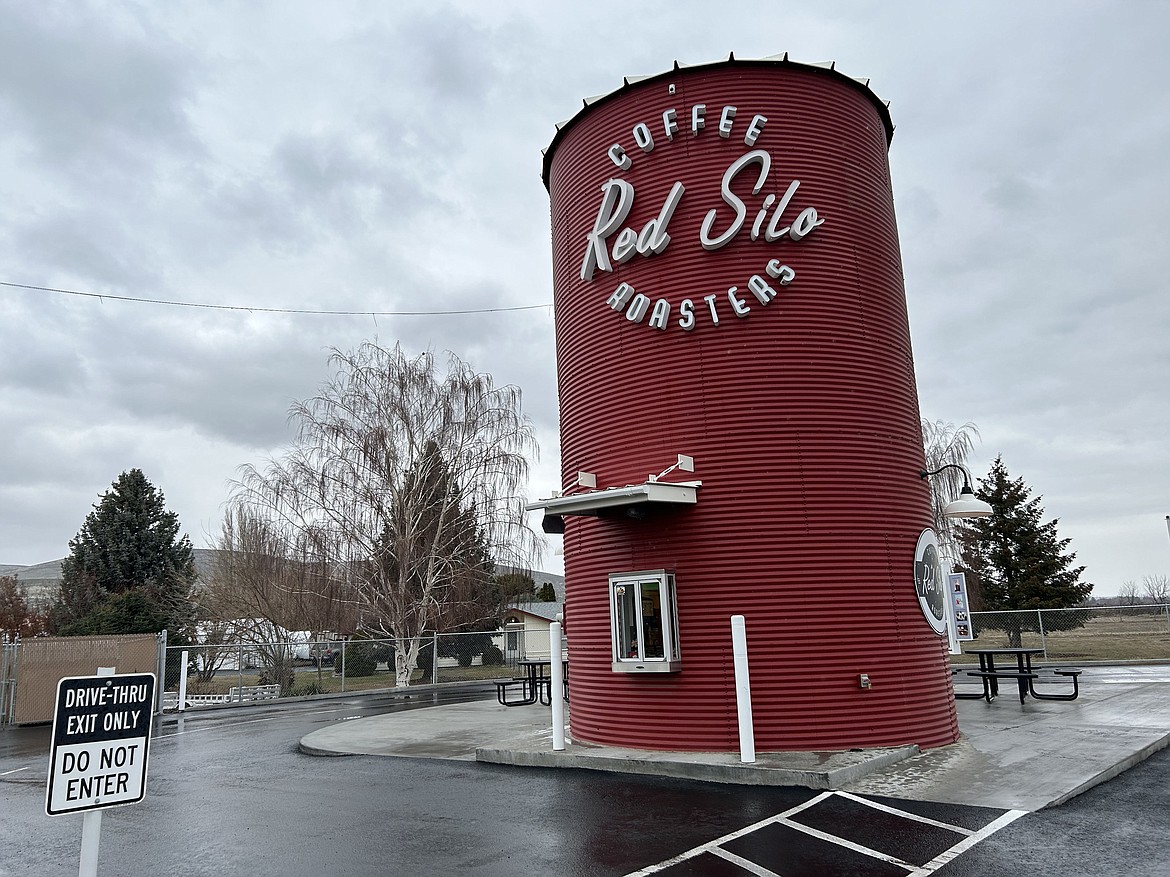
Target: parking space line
[905, 814]
[845, 844]
[966, 844]
[715, 847]
[739, 861]
[710, 846]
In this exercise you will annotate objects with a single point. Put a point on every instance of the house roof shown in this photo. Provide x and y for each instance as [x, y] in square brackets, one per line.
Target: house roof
[547, 611]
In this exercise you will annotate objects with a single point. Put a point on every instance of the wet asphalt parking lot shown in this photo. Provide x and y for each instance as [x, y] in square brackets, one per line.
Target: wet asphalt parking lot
[228, 793]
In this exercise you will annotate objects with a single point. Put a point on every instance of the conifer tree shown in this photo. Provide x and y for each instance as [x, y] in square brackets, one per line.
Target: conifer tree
[128, 571]
[1019, 561]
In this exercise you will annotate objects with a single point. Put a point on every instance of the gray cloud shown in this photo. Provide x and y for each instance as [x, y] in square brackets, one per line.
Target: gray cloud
[359, 157]
[88, 94]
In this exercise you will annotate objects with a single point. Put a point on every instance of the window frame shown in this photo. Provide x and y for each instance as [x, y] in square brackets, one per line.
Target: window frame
[671, 658]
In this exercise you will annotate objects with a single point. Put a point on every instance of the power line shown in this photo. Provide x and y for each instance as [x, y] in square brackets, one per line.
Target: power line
[251, 309]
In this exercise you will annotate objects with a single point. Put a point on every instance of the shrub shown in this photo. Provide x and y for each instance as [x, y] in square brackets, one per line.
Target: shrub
[382, 652]
[308, 689]
[463, 646]
[426, 662]
[492, 656]
[359, 660]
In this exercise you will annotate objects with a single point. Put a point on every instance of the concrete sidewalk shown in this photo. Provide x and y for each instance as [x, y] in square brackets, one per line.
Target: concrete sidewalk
[1009, 756]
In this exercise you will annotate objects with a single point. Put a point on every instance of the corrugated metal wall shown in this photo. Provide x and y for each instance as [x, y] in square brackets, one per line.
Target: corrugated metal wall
[802, 417]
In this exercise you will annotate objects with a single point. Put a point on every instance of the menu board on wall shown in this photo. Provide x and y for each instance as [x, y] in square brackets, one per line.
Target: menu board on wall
[957, 590]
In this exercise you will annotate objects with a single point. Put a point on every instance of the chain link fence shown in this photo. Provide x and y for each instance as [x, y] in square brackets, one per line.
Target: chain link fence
[1106, 633]
[235, 672]
[240, 671]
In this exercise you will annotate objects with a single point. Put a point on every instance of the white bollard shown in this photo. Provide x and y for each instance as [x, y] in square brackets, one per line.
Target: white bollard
[557, 682]
[743, 690]
[183, 680]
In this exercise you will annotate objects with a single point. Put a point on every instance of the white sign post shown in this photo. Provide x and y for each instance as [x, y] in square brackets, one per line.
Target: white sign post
[100, 745]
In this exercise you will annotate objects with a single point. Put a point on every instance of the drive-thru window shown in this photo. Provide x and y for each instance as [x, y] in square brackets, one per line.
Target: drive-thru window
[644, 622]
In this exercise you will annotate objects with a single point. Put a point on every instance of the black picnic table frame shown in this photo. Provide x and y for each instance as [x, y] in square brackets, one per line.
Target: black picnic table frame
[534, 685]
[1024, 674]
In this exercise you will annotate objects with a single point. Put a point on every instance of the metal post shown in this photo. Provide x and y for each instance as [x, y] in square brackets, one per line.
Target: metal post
[91, 824]
[1043, 639]
[556, 686]
[91, 838]
[183, 657]
[240, 671]
[160, 667]
[435, 658]
[743, 690]
[7, 677]
[342, 666]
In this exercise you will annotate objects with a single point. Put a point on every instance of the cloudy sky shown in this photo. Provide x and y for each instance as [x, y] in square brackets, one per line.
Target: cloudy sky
[385, 157]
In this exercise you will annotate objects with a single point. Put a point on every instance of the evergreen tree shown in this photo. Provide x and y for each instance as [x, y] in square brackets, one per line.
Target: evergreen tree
[1018, 561]
[127, 570]
[515, 587]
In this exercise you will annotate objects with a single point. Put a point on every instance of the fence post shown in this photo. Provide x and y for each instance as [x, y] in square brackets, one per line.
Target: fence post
[160, 666]
[8, 678]
[240, 671]
[1166, 612]
[435, 658]
[343, 643]
[1043, 639]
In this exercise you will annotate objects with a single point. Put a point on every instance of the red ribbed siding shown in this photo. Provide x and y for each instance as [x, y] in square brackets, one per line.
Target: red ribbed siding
[802, 418]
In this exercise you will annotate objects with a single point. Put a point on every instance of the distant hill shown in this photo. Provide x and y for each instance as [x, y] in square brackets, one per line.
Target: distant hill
[42, 579]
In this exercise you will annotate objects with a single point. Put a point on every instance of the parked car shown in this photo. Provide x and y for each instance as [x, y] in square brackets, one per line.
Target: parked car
[324, 653]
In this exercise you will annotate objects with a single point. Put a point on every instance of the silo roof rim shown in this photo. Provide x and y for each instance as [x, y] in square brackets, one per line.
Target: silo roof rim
[831, 66]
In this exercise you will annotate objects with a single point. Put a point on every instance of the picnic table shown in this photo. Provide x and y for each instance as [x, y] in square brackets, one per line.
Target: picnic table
[1024, 674]
[534, 685]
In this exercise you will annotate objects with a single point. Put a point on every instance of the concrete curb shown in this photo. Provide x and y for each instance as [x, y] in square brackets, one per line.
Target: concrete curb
[1110, 773]
[814, 770]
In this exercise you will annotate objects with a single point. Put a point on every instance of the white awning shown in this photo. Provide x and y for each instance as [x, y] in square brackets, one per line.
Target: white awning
[595, 501]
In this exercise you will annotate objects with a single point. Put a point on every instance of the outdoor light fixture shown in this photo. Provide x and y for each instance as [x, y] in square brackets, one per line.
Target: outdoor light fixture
[967, 505]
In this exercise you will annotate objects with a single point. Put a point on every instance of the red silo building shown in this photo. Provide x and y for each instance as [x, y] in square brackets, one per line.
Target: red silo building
[740, 430]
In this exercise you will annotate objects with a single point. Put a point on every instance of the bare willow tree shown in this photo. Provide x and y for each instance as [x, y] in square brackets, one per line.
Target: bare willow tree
[405, 483]
[946, 444]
